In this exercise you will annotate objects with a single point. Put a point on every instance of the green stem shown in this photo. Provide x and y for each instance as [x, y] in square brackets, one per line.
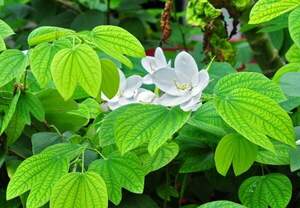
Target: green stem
[108, 13]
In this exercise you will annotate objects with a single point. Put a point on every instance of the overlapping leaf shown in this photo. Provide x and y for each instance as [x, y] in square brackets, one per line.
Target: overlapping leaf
[219, 204]
[5, 30]
[133, 125]
[12, 64]
[41, 58]
[294, 26]
[206, 118]
[110, 79]
[47, 34]
[252, 81]
[39, 173]
[77, 65]
[120, 172]
[117, 42]
[255, 116]
[237, 150]
[265, 10]
[273, 190]
[79, 190]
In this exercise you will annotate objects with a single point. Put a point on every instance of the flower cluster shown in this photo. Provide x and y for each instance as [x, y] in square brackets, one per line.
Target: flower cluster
[181, 85]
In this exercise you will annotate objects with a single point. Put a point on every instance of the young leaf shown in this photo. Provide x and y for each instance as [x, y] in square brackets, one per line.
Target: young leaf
[252, 81]
[110, 78]
[41, 58]
[255, 116]
[294, 26]
[273, 190]
[5, 30]
[12, 64]
[116, 41]
[39, 173]
[207, 119]
[135, 124]
[78, 65]
[120, 172]
[265, 10]
[237, 150]
[79, 190]
[47, 34]
[220, 204]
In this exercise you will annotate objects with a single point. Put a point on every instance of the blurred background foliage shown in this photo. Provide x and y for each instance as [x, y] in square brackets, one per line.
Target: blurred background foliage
[199, 26]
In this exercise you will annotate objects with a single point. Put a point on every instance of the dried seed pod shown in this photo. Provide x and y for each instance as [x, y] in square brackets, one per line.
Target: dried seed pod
[165, 21]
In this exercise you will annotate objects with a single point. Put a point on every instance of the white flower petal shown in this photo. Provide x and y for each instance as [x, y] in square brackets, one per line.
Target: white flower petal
[298, 142]
[132, 84]
[186, 68]
[149, 64]
[165, 80]
[160, 57]
[169, 100]
[122, 83]
[145, 96]
[203, 79]
[148, 79]
[191, 105]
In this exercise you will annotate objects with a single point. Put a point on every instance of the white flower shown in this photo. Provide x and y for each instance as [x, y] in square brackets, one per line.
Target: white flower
[298, 142]
[129, 92]
[183, 85]
[152, 64]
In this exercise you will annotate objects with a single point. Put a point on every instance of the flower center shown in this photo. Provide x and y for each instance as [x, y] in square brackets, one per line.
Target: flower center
[183, 86]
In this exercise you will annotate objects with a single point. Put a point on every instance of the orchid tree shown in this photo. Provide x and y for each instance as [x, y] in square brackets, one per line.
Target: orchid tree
[92, 135]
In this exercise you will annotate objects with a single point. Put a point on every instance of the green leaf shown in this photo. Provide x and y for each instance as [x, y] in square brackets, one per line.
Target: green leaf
[265, 10]
[41, 140]
[221, 204]
[47, 34]
[138, 201]
[294, 159]
[197, 162]
[294, 25]
[293, 54]
[110, 78]
[79, 190]
[290, 84]
[279, 157]
[5, 30]
[252, 81]
[10, 112]
[165, 192]
[39, 173]
[235, 149]
[58, 111]
[28, 104]
[135, 124]
[292, 67]
[41, 58]
[12, 64]
[120, 172]
[115, 41]
[207, 119]
[164, 155]
[255, 116]
[273, 190]
[2, 44]
[78, 65]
